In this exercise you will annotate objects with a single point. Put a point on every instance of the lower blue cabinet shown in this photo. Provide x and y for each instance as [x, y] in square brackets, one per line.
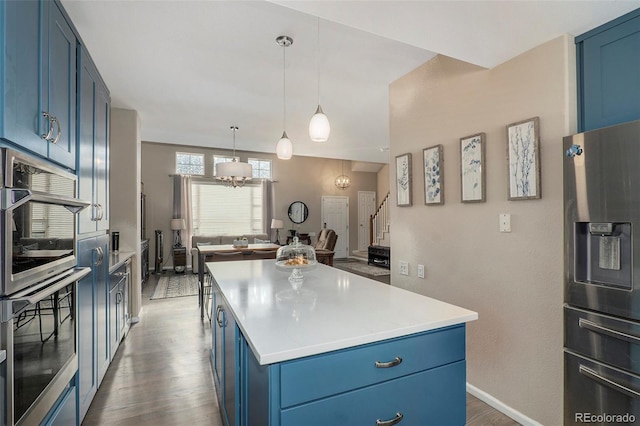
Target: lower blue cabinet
[349, 386]
[432, 397]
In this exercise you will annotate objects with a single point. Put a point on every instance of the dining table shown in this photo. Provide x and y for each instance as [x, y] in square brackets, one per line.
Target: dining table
[208, 251]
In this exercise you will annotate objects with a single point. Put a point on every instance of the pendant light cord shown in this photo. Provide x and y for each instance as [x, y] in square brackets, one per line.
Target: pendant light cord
[284, 87]
[234, 128]
[318, 60]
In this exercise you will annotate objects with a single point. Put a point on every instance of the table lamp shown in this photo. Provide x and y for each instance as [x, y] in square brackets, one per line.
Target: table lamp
[277, 225]
[178, 225]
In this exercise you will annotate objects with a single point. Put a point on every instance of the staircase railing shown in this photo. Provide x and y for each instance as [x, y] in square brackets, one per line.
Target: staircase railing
[379, 222]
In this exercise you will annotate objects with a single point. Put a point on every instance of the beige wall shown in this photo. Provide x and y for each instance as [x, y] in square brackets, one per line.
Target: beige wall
[124, 198]
[513, 280]
[383, 182]
[304, 179]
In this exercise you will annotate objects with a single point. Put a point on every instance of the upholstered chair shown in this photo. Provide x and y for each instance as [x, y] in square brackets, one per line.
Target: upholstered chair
[325, 245]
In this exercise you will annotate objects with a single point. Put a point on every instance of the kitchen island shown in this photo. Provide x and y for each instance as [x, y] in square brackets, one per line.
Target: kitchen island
[345, 350]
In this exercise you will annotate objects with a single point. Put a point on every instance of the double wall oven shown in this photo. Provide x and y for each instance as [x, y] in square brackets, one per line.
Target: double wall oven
[38, 310]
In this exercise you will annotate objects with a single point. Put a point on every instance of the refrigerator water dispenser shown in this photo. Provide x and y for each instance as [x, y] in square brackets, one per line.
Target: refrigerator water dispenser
[603, 253]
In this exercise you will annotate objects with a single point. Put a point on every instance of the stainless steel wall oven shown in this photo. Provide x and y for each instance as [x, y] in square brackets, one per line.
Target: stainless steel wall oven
[38, 221]
[38, 311]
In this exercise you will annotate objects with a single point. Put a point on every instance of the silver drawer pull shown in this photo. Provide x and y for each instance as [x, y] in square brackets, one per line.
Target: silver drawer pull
[389, 364]
[397, 419]
[585, 371]
[592, 326]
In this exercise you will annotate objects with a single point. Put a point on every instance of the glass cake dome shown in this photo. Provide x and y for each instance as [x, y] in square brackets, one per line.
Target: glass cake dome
[296, 257]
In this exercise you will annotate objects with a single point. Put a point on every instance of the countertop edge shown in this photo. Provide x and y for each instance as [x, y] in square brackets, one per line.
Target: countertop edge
[273, 358]
[117, 260]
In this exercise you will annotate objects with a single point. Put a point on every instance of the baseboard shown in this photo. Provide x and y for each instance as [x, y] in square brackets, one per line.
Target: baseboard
[501, 406]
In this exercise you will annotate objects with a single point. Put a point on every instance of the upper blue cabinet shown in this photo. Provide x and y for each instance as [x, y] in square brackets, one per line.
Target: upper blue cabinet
[609, 73]
[38, 80]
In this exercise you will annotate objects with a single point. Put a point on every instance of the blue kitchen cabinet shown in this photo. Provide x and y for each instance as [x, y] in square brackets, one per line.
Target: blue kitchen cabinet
[93, 146]
[93, 337]
[225, 360]
[426, 387]
[609, 73]
[38, 79]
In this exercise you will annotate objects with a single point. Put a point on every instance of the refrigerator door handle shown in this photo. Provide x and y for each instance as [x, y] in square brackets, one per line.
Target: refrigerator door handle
[596, 328]
[586, 371]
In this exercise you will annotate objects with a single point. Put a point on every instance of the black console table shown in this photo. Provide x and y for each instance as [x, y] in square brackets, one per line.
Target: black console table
[380, 256]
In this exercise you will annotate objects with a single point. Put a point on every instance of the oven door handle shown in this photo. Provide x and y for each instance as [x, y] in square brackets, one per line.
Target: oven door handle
[15, 197]
[14, 305]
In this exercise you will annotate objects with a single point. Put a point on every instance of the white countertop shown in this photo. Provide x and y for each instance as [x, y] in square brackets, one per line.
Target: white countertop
[117, 259]
[347, 310]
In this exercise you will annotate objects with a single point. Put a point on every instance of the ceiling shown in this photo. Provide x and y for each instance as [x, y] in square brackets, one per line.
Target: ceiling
[192, 69]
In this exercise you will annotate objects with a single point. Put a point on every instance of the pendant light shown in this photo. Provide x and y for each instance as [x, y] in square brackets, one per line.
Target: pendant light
[284, 148]
[234, 173]
[319, 127]
[343, 181]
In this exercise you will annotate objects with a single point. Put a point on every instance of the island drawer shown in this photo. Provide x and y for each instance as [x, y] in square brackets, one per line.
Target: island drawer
[349, 369]
[431, 397]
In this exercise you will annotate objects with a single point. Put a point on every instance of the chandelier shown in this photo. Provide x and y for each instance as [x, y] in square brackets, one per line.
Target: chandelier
[343, 181]
[234, 173]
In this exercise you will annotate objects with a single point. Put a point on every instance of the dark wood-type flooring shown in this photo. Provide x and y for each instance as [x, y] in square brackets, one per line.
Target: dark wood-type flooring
[161, 373]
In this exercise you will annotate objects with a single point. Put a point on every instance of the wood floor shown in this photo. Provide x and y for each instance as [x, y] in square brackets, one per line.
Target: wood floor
[161, 373]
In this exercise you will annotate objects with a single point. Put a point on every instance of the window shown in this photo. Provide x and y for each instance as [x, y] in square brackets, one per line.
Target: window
[189, 164]
[220, 210]
[261, 168]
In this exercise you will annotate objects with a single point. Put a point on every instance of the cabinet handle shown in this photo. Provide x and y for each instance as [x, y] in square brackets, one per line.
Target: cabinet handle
[49, 118]
[94, 212]
[118, 298]
[394, 421]
[218, 310]
[57, 138]
[100, 256]
[389, 364]
[100, 211]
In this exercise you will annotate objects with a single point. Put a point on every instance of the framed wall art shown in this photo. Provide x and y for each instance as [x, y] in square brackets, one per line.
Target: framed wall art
[523, 156]
[433, 162]
[403, 180]
[472, 168]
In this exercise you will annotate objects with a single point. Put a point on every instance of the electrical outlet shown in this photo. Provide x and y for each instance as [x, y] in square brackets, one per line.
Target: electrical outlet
[505, 222]
[404, 268]
[420, 271]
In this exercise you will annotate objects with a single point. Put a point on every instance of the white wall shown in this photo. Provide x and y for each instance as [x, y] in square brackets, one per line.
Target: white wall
[513, 280]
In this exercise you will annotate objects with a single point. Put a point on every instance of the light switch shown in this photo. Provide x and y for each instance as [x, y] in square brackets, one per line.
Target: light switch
[404, 268]
[505, 222]
[420, 271]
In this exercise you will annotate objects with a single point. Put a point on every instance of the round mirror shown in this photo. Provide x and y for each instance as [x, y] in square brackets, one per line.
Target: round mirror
[298, 212]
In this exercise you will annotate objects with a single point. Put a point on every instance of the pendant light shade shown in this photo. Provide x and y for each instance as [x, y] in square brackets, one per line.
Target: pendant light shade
[234, 173]
[284, 148]
[319, 127]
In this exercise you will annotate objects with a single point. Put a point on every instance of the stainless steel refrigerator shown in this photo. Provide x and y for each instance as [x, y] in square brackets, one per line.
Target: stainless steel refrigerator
[602, 276]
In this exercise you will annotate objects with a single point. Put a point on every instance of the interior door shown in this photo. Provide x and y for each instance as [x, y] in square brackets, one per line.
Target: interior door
[335, 214]
[366, 208]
